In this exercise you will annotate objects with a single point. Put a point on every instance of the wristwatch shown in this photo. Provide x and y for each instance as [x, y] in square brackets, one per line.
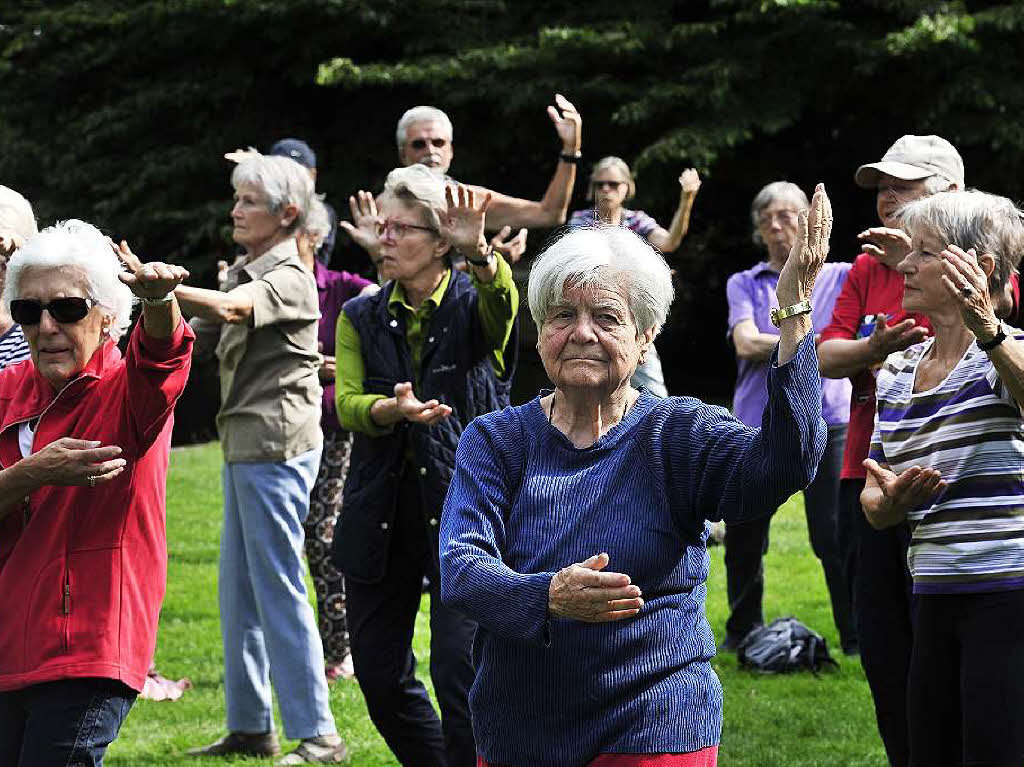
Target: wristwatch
[994, 341]
[801, 307]
[487, 259]
[572, 159]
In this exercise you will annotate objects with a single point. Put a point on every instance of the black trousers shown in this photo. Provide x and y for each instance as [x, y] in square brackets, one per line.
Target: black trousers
[746, 544]
[966, 690]
[882, 601]
[381, 621]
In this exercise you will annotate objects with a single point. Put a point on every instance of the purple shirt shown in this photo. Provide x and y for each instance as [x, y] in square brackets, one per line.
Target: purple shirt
[333, 289]
[634, 220]
[752, 297]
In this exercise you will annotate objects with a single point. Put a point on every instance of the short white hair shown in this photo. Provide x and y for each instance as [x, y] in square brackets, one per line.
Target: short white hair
[608, 256]
[16, 213]
[318, 221]
[421, 114]
[76, 245]
[773, 192]
[282, 180]
[418, 185]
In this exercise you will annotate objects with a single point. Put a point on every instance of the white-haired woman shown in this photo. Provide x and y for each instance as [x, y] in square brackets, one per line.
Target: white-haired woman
[17, 224]
[946, 455]
[751, 295]
[607, 661]
[611, 186]
[269, 424]
[416, 363]
[84, 441]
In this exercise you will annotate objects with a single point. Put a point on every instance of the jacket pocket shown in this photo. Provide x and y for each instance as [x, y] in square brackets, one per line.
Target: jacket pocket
[93, 604]
[44, 637]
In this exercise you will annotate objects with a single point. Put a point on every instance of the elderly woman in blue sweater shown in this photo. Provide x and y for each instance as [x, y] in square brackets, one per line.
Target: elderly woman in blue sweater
[574, 528]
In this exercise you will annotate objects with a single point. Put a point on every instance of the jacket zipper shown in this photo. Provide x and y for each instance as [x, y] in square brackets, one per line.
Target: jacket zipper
[65, 609]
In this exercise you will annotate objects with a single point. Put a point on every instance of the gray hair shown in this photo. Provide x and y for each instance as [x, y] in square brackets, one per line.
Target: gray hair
[972, 219]
[16, 213]
[421, 114]
[777, 190]
[76, 245]
[282, 180]
[418, 185]
[601, 255]
[318, 221]
[937, 183]
[616, 163]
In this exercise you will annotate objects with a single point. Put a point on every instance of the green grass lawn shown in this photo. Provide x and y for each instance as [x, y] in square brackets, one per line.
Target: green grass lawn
[769, 720]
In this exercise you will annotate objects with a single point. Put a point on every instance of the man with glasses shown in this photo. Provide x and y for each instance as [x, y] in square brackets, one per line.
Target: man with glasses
[424, 136]
[868, 324]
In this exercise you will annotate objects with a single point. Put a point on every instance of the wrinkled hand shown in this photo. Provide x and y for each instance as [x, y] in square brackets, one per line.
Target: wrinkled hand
[967, 285]
[907, 491]
[513, 248]
[689, 181]
[10, 241]
[150, 280]
[426, 413]
[363, 227]
[886, 244]
[328, 370]
[463, 224]
[584, 593]
[568, 124]
[886, 339]
[796, 281]
[69, 461]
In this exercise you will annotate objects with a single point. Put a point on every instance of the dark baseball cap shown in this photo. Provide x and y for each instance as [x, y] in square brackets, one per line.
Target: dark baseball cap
[297, 149]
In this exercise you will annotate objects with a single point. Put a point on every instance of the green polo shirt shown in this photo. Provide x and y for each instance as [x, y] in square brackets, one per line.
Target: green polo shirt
[498, 304]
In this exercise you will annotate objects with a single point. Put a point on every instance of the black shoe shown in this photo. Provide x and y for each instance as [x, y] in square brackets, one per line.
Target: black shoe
[730, 643]
[240, 743]
[851, 649]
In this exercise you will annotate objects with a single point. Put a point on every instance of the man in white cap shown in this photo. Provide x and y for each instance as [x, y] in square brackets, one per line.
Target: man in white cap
[868, 323]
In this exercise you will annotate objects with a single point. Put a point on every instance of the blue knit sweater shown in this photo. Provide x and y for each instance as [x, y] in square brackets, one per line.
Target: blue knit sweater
[524, 503]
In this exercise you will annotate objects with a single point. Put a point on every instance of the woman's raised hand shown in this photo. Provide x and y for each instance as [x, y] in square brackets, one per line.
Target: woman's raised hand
[150, 280]
[568, 123]
[426, 413]
[689, 182]
[463, 224]
[886, 244]
[512, 248]
[584, 593]
[363, 227]
[809, 252]
[967, 285]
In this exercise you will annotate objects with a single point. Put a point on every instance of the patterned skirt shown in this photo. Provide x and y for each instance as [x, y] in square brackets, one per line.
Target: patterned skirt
[324, 507]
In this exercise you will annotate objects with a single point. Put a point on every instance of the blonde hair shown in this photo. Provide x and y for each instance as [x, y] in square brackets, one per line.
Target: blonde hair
[615, 163]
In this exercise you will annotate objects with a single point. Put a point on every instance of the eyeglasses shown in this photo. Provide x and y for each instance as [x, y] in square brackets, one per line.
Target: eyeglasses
[783, 217]
[421, 143]
[28, 311]
[602, 183]
[396, 230]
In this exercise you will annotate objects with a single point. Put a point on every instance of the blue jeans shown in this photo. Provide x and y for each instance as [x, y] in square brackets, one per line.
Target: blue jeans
[67, 722]
[267, 625]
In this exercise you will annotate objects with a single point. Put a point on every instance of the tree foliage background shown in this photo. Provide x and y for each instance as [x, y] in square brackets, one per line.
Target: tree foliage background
[120, 112]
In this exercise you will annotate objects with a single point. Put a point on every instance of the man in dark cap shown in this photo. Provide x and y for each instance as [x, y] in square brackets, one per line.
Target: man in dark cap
[300, 151]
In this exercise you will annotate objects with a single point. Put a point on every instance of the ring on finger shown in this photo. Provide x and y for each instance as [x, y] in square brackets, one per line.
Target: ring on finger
[966, 291]
[92, 480]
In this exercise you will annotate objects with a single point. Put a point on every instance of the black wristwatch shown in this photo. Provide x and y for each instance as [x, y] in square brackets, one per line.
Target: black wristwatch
[992, 343]
[488, 258]
[572, 159]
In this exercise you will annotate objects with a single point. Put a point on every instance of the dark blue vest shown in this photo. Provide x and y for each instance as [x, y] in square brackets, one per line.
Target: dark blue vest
[455, 368]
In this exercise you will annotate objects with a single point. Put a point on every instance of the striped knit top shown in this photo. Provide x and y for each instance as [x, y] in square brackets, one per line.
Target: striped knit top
[970, 537]
[13, 347]
[524, 503]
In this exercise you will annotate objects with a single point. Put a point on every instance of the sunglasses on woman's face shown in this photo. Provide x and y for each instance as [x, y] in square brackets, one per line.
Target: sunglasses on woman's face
[421, 143]
[601, 184]
[28, 311]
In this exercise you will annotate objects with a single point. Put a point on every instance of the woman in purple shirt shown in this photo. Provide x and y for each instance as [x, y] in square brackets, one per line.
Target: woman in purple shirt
[333, 289]
[751, 295]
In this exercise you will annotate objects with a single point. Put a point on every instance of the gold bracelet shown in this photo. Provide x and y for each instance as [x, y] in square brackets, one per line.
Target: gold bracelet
[802, 307]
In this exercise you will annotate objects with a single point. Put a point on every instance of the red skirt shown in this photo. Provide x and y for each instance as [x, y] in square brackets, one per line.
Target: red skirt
[706, 757]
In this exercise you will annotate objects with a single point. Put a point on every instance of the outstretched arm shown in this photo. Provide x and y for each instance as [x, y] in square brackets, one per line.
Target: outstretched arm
[669, 241]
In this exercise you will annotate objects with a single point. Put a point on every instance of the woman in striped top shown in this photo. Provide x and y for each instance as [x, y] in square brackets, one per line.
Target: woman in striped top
[17, 224]
[948, 456]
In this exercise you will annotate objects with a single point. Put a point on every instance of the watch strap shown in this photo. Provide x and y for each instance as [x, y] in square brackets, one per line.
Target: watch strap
[572, 159]
[801, 307]
[485, 261]
[992, 343]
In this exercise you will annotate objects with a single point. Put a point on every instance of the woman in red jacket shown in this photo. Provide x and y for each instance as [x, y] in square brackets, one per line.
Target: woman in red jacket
[84, 444]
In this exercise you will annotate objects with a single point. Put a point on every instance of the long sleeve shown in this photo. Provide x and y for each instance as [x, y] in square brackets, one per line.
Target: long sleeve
[157, 370]
[474, 578]
[498, 303]
[717, 468]
[353, 405]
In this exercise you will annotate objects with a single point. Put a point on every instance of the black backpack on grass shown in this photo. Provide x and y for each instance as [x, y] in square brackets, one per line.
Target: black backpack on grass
[784, 645]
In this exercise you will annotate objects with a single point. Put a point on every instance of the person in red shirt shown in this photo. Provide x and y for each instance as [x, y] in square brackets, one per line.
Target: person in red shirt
[868, 324]
[85, 437]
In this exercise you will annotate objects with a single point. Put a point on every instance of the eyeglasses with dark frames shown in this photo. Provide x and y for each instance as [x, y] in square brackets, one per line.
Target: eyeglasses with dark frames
[396, 230]
[28, 311]
[602, 183]
[421, 143]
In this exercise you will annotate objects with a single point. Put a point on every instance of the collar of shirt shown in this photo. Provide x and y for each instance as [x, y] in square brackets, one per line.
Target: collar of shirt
[259, 266]
[397, 298]
[760, 268]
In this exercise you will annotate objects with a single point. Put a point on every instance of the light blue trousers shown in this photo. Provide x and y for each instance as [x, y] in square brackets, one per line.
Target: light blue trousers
[267, 625]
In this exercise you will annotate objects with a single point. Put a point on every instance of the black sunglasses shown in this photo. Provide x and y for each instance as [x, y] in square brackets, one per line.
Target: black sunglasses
[603, 183]
[421, 143]
[28, 311]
